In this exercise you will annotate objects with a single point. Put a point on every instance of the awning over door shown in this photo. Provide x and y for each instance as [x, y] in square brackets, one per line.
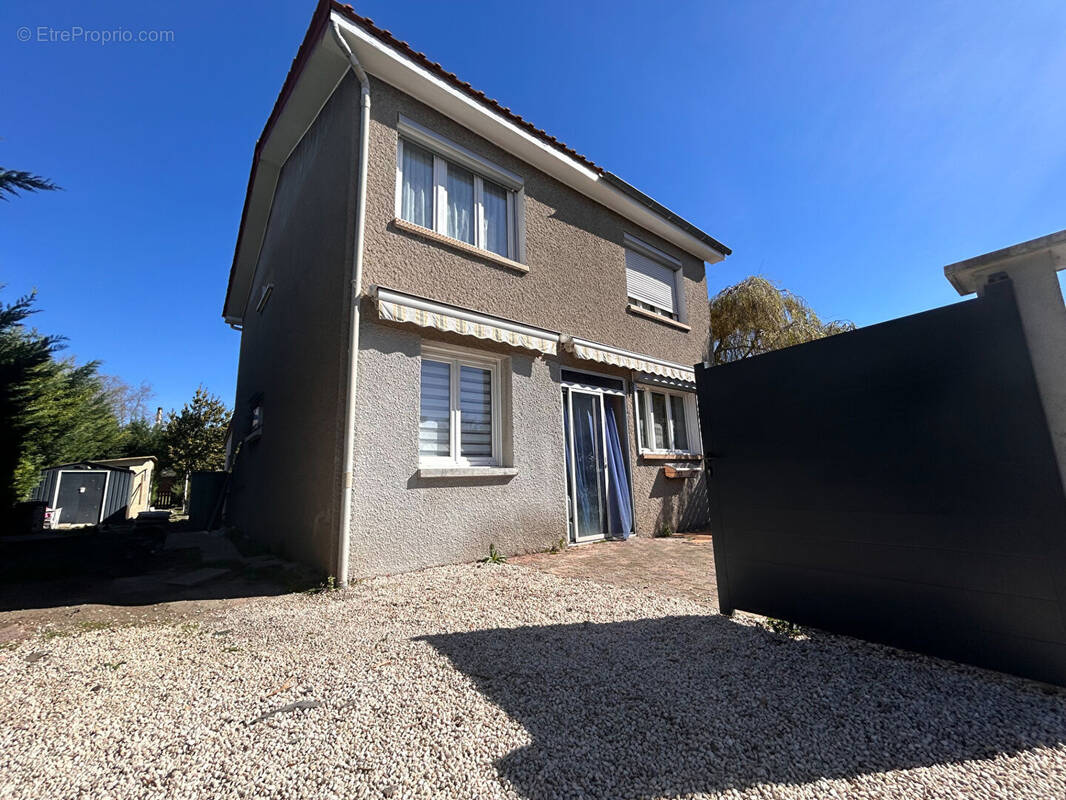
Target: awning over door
[658, 380]
[605, 354]
[400, 307]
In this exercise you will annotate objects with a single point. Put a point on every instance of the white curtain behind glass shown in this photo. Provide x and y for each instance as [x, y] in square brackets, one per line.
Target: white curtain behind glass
[494, 202]
[460, 186]
[416, 202]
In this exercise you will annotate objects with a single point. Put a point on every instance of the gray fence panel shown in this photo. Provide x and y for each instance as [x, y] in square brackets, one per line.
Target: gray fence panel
[896, 483]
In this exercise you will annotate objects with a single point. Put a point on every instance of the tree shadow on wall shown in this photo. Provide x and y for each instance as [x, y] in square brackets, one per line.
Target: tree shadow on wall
[680, 705]
[684, 505]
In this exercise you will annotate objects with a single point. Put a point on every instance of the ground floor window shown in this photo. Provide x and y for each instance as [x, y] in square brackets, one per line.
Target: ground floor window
[666, 421]
[459, 419]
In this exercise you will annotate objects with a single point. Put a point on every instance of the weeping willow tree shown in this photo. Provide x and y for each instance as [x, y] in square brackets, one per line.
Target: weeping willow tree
[756, 316]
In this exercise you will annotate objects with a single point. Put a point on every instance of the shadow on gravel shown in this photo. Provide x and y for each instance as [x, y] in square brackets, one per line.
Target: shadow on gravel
[105, 568]
[701, 704]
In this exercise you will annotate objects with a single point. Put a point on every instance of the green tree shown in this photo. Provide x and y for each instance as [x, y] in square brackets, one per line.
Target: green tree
[141, 438]
[54, 411]
[756, 316]
[195, 437]
[68, 418]
[24, 357]
[13, 181]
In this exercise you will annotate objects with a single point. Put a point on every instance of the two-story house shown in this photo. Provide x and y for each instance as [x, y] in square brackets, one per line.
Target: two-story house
[455, 330]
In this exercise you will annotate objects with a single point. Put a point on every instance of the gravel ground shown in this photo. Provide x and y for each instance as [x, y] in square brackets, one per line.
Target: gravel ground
[498, 681]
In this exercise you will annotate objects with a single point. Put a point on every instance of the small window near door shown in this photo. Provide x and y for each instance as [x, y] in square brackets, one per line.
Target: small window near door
[459, 418]
[666, 421]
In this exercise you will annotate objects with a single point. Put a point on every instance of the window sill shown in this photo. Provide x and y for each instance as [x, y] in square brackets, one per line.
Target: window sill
[643, 312]
[253, 436]
[650, 456]
[681, 473]
[455, 244]
[467, 472]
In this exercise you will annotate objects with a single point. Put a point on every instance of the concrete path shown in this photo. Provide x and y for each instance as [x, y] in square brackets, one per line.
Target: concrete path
[679, 566]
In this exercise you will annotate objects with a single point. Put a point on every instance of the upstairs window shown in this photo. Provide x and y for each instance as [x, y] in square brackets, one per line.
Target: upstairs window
[652, 279]
[449, 190]
[666, 421]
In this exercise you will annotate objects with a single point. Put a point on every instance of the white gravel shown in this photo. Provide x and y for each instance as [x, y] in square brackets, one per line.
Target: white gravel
[498, 681]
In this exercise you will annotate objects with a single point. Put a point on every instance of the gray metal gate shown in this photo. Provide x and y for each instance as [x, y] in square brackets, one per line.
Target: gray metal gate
[896, 483]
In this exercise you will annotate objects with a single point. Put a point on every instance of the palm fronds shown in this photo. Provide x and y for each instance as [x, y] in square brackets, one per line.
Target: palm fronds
[13, 181]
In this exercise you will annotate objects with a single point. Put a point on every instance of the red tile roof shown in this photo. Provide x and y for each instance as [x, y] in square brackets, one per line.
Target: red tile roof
[423, 61]
[320, 20]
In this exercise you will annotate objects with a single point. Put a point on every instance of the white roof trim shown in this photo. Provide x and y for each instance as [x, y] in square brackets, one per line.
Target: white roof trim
[326, 66]
[384, 62]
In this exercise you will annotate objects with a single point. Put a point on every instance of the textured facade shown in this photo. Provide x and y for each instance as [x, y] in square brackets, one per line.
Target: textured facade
[576, 280]
[571, 282]
[404, 522]
[286, 481]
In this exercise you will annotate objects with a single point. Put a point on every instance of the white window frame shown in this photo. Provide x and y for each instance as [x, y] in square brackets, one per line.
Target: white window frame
[645, 421]
[680, 313]
[444, 152]
[456, 358]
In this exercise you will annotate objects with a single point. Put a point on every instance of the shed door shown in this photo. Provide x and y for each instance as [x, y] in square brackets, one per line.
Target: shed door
[81, 496]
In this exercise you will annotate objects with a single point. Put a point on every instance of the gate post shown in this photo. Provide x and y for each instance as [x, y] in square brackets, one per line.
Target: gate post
[1032, 268]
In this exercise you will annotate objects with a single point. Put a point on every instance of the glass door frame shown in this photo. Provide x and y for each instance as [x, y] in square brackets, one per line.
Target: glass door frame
[566, 394]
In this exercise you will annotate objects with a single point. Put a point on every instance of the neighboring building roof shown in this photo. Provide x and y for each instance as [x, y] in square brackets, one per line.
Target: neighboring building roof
[711, 249]
[89, 465]
[966, 276]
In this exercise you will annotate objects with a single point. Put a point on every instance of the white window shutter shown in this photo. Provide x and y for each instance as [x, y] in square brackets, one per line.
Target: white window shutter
[650, 282]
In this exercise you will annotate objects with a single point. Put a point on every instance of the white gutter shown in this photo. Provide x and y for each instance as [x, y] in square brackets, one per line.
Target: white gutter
[353, 322]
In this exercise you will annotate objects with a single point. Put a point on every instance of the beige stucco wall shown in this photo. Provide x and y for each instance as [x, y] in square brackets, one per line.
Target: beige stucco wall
[404, 522]
[576, 285]
[576, 281]
[286, 484]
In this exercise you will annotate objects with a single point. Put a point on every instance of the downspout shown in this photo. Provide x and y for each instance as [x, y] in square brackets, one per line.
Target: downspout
[345, 536]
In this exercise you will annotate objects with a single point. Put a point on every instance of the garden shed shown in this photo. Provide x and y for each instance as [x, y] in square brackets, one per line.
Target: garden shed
[87, 493]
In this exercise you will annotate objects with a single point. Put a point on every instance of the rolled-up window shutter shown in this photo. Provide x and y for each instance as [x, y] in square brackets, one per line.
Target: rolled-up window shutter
[650, 282]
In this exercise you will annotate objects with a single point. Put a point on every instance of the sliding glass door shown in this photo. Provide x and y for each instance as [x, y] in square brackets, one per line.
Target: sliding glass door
[589, 476]
[598, 493]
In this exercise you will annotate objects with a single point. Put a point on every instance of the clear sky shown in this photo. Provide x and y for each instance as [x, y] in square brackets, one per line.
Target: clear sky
[848, 149]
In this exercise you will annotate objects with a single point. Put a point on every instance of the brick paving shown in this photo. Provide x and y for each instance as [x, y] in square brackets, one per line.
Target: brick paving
[679, 566]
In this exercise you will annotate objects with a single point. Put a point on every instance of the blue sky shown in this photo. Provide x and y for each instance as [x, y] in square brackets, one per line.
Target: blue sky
[847, 150]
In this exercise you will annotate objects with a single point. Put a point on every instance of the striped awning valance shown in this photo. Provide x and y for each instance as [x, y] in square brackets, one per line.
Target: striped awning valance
[606, 354]
[400, 307]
